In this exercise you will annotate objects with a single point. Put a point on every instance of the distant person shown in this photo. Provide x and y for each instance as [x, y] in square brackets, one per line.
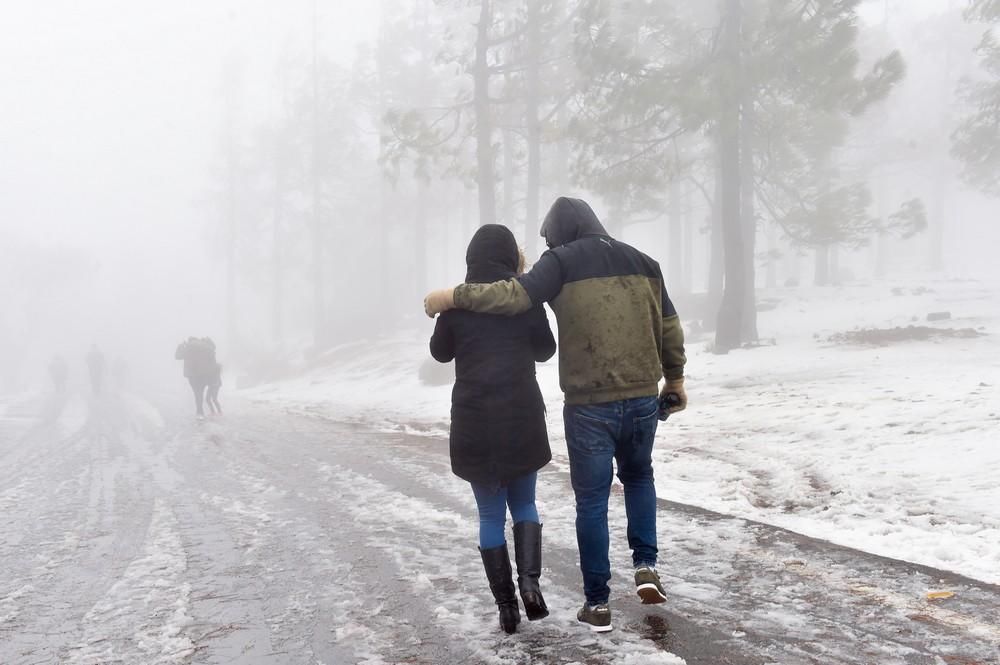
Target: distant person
[212, 395]
[59, 373]
[498, 440]
[198, 355]
[95, 367]
[619, 334]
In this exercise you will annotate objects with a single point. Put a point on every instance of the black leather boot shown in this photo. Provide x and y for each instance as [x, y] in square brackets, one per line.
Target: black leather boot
[496, 561]
[528, 555]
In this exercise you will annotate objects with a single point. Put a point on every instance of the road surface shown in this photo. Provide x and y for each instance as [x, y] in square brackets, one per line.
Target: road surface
[132, 534]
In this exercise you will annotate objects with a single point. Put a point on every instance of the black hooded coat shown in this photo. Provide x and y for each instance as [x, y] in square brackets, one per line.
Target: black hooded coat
[497, 413]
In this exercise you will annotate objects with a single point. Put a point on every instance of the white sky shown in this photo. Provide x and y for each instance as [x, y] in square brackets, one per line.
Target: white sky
[110, 110]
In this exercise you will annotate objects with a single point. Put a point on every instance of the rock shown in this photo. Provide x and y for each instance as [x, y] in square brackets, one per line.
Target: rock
[939, 316]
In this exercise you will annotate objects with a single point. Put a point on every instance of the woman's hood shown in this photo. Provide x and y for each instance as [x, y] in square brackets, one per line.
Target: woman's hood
[492, 254]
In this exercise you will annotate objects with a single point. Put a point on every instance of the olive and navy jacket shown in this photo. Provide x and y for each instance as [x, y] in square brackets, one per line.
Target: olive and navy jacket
[618, 330]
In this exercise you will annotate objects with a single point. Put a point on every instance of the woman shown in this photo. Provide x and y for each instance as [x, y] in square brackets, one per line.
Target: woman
[498, 439]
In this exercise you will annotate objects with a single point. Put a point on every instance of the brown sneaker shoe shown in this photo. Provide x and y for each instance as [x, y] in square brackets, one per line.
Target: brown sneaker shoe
[647, 585]
[597, 617]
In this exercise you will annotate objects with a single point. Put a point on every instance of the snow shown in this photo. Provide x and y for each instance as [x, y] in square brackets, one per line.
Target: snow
[385, 511]
[888, 449]
[149, 604]
[132, 534]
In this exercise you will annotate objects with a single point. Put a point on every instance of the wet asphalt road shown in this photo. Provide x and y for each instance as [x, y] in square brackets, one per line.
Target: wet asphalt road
[273, 537]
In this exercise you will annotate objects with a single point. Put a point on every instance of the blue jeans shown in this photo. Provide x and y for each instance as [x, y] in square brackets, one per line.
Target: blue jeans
[493, 500]
[596, 434]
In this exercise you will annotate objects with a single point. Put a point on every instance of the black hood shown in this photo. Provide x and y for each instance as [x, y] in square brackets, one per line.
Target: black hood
[492, 255]
[568, 220]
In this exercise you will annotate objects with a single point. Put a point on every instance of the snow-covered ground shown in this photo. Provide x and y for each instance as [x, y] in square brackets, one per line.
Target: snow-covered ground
[133, 534]
[891, 449]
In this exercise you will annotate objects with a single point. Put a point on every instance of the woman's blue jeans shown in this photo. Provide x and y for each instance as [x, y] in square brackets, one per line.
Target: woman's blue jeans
[596, 434]
[493, 501]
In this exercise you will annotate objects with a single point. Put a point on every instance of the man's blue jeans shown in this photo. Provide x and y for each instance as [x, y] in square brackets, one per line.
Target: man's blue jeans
[596, 434]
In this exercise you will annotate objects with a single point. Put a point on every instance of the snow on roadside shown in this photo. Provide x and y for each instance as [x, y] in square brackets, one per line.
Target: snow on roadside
[142, 617]
[889, 449]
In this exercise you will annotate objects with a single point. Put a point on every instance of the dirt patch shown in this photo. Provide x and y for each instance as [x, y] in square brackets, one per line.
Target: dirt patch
[886, 336]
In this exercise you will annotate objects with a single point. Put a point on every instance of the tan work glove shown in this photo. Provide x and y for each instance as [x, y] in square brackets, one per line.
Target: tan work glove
[675, 387]
[439, 301]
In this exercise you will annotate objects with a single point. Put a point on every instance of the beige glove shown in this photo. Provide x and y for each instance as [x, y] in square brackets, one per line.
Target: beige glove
[439, 301]
[675, 387]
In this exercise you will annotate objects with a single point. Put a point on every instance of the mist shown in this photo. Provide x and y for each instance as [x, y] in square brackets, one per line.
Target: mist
[262, 331]
[142, 146]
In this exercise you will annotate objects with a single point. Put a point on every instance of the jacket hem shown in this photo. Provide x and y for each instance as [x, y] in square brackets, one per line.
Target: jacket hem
[615, 394]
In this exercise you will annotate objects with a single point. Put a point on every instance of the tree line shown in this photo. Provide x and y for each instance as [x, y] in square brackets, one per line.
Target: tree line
[741, 132]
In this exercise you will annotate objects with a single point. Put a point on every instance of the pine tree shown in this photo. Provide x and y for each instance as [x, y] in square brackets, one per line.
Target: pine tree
[976, 141]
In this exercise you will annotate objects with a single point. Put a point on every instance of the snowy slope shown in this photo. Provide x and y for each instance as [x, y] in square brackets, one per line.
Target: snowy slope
[890, 449]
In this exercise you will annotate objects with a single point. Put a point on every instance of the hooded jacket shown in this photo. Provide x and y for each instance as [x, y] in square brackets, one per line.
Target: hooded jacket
[497, 415]
[618, 330]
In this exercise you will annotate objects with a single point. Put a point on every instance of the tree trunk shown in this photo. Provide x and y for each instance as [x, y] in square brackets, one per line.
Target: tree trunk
[231, 243]
[232, 88]
[748, 328]
[319, 296]
[277, 248]
[507, 202]
[507, 138]
[420, 246]
[675, 239]
[533, 130]
[882, 210]
[730, 318]
[687, 276]
[716, 258]
[822, 268]
[772, 254]
[937, 223]
[485, 177]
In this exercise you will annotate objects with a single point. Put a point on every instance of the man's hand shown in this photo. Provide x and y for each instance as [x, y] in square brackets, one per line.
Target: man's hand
[439, 301]
[675, 387]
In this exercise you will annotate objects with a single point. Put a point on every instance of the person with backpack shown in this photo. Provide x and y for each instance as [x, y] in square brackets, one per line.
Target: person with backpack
[619, 334]
[198, 355]
[498, 439]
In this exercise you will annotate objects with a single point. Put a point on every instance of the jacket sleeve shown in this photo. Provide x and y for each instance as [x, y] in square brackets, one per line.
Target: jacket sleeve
[542, 341]
[672, 355]
[443, 341]
[514, 296]
[179, 353]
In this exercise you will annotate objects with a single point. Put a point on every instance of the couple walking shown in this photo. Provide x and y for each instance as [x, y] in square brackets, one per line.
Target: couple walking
[618, 336]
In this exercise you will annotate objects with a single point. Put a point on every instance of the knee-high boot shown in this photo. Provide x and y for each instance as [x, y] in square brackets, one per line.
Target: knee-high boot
[496, 561]
[528, 556]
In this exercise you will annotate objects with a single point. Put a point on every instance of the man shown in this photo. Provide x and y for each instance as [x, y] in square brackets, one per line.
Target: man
[618, 335]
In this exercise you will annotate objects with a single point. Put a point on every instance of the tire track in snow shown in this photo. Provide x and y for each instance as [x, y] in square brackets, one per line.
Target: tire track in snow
[78, 525]
[312, 571]
[142, 616]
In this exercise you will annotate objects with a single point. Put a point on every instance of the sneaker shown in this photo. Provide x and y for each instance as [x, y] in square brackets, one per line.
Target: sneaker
[647, 585]
[597, 617]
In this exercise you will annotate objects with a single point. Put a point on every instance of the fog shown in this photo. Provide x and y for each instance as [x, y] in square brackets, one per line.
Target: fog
[161, 164]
